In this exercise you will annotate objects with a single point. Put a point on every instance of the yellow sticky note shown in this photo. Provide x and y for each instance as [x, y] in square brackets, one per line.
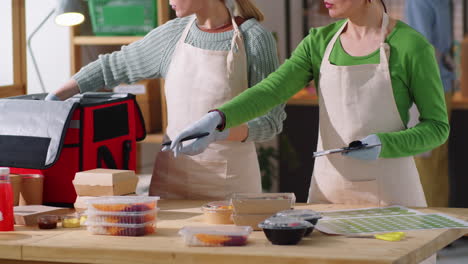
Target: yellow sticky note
[394, 236]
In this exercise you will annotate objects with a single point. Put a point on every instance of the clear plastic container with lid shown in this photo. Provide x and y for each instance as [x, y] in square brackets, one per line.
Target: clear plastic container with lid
[123, 203]
[114, 229]
[122, 217]
[310, 216]
[215, 236]
[262, 203]
[284, 230]
[219, 212]
[6, 201]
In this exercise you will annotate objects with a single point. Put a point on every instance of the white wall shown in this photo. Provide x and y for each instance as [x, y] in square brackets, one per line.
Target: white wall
[6, 45]
[275, 21]
[51, 47]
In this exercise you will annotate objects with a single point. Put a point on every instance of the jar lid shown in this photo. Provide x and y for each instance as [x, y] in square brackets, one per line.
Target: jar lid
[217, 206]
[4, 171]
[284, 223]
[305, 214]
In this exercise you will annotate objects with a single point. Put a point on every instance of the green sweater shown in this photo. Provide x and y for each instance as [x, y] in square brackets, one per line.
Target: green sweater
[150, 58]
[414, 74]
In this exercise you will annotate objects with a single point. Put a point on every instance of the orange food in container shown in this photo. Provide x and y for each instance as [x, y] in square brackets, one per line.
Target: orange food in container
[121, 229]
[215, 236]
[122, 215]
[123, 203]
[218, 212]
[122, 218]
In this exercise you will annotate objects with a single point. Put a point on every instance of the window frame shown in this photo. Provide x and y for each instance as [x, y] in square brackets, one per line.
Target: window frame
[19, 52]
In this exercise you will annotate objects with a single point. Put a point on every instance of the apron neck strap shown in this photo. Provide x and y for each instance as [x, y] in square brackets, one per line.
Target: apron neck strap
[187, 29]
[383, 32]
[383, 29]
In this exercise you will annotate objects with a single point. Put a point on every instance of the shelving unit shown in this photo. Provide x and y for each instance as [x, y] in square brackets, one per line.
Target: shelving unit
[77, 41]
[95, 40]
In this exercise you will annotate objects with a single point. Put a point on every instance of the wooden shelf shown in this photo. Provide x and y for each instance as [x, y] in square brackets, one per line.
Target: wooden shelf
[459, 102]
[97, 40]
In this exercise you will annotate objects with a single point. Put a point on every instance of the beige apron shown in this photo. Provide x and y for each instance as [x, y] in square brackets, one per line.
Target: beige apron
[356, 101]
[199, 80]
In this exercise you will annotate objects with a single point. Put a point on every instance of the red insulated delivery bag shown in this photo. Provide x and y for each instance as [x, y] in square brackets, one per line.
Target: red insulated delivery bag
[59, 138]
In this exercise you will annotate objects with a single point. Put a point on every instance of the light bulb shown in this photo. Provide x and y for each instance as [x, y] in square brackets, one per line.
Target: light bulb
[69, 19]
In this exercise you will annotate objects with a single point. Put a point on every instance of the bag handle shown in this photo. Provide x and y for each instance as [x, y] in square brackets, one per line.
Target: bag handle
[126, 149]
[105, 155]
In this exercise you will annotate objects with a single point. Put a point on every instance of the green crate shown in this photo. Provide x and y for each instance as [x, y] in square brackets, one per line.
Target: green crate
[122, 17]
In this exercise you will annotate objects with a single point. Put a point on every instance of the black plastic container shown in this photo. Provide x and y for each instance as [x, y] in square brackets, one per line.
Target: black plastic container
[284, 230]
[310, 216]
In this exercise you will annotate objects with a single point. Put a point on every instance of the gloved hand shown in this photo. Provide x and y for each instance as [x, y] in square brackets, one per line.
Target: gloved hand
[207, 123]
[52, 97]
[368, 153]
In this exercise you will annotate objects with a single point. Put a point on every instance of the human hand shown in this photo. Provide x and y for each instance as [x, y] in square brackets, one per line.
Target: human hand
[208, 123]
[372, 153]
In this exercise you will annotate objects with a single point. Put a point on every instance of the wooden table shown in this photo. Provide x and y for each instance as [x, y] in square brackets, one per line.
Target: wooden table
[31, 245]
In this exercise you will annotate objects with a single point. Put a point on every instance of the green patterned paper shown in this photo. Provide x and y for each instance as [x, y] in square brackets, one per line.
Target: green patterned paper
[367, 212]
[391, 223]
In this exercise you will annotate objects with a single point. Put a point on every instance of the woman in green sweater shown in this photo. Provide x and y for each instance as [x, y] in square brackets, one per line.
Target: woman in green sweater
[369, 70]
[206, 56]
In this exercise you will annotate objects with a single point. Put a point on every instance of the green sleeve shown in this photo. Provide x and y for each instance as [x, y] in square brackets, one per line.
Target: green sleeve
[277, 88]
[428, 94]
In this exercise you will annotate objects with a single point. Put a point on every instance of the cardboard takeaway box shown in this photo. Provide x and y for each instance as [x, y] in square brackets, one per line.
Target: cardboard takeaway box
[262, 203]
[105, 182]
[27, 214]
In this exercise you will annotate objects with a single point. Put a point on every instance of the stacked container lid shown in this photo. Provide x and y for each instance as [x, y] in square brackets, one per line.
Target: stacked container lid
[122, 215]
[250, 209]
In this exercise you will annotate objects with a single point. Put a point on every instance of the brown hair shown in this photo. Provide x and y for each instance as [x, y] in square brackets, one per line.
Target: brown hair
[248, 10]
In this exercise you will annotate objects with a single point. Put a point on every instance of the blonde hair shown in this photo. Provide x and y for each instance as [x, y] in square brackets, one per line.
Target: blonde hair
[247, 10]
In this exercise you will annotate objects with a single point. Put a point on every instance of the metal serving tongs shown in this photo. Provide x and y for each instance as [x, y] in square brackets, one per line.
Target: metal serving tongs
[355, 145]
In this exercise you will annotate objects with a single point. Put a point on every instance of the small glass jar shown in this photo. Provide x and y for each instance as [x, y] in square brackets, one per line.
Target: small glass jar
[71, 221]
[47, 221]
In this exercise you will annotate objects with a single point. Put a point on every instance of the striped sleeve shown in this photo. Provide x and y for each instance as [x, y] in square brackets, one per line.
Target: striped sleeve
[262, 56]
[143, 59]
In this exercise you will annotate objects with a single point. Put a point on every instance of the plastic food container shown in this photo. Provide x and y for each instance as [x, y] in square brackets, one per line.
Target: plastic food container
[215, 236]
[284, 230]
[262, 203]
[83, 218]
[121, 229]
[219, 212]
[100, 217]
[310, 216]
[252, 220]
[47, 221]
[71, 221]
[123, 203]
